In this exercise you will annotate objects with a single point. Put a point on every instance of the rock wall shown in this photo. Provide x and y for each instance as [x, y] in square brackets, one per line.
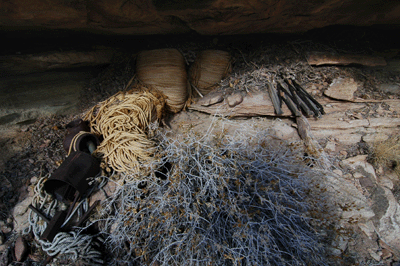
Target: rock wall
[202, 16]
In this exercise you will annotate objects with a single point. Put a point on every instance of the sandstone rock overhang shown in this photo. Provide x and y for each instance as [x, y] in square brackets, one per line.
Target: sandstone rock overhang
[206, 17]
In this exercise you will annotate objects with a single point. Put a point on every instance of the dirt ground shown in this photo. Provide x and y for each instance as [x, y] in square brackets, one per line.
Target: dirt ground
[34, 150]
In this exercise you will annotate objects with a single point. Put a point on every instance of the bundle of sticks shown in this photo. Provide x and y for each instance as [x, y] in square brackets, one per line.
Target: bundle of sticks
[295, 97]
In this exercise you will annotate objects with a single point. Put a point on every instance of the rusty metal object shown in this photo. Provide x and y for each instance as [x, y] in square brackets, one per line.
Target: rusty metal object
[73, 128]
[87, 214]
[79, 138]
[44, 217]
[71, 176]
[54, 226]
[70, 181]
[86, 142]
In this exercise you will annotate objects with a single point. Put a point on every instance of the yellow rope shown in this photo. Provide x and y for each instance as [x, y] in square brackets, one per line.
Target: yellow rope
[123, 120]
[73, 142]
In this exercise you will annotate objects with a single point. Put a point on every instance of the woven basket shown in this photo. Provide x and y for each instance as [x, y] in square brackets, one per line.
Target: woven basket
[209, 68]
[165, 70]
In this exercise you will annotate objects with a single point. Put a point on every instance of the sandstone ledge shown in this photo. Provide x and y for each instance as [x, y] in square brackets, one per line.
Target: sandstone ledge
[204, 17]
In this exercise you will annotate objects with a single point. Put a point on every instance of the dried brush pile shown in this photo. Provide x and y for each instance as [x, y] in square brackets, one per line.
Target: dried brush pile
[215, 200]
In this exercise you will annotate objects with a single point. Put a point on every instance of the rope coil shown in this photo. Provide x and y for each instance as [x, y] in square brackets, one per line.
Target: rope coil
[71, 243]
[124, 122]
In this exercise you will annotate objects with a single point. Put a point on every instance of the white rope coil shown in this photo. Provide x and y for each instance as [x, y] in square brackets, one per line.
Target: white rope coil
[71, 243]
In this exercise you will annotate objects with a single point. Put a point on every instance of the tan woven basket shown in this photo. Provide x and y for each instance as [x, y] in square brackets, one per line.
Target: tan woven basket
[209, 68]
[165, 70]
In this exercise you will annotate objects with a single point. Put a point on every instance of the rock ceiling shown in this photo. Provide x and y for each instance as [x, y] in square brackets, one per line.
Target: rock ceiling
[208, 17]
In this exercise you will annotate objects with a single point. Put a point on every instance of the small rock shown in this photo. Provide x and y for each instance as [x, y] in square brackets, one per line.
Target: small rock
[211, 98]
[98, 195]
[2, 248]
[359, 163]
[1, 239]
[355, 160]
[385, 182]
[389, 223]
[357, 175]
[374, 255]
[22, 207]
[20, 249]
[349, 139]
[284, 131]
[386, 254]
[342, 89]
[34, 180]
[347, 192]
[335, 251]
[348, 176]
[392, 176]
[21, 215]
[368, 228]
[341, 243]
[338, 172]
[389, 88]
[6, 229]
[358, 214]
[110, 188]
[330, 146]
[379, 170]
[366, 182]
[383, 245]
[375, 137]
[234, 99]
[35, 257]
[24, 128]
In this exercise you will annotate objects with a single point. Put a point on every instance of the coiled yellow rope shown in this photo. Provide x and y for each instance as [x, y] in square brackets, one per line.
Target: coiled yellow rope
[73, 142]
[123, 120]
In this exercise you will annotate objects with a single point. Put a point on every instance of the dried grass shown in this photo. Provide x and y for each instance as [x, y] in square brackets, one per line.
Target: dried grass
[165, 70]
[387, 153]
[225, 200]
[209, 68]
